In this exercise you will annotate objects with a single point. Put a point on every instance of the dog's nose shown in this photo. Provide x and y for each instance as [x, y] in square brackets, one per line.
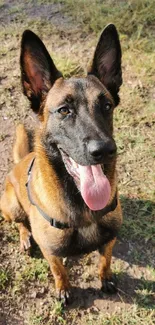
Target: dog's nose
[99, 149]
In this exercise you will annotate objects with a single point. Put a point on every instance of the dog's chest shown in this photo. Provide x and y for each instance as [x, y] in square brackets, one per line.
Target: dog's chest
[71, 242]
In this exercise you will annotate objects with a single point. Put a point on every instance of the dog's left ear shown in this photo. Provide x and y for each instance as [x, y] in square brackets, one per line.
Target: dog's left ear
[38, 71]
[106, 65]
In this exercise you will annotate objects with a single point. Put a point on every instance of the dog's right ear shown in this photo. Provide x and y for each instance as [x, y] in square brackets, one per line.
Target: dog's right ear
[38, 72]
[106, 65]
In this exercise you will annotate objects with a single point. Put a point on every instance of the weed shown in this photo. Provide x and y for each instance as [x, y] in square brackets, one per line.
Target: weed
[58, 308]
[4, 278]
[37, 269]
[35, 320]
[58, 312]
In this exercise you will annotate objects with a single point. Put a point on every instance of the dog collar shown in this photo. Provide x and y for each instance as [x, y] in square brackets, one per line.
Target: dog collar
[53, 222]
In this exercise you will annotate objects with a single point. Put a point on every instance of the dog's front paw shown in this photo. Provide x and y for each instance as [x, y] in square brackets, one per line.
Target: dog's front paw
[63, 295]
[25, 243]
[110, 285]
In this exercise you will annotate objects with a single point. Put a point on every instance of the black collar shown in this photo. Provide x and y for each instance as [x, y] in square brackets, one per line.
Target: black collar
[53, 222]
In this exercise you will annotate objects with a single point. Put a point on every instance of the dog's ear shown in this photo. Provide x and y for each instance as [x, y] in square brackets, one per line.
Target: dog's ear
[106, 65]
[38, 72]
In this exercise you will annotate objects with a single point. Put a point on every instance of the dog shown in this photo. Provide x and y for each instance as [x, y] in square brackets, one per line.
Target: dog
[66, 187]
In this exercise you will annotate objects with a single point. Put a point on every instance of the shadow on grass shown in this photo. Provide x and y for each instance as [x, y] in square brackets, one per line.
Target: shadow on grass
[130, 291]
[137, 235]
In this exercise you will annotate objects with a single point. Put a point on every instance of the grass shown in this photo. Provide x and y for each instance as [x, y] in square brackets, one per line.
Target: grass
[35, 269]
[71, 49]
[4, 278]
[134, 19]
[139, 220]
[56, 313]
[1, 3]
[145, 297]
[129, 317]
[67, 67]
[35, 320]
[16, 9]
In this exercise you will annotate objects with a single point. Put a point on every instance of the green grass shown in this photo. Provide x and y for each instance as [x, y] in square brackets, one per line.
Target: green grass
[67, 66]
[16, 9]
[4, 278]
[34, 269]
[56, 311]
[35, 319]
[1, 3]
[138, 220]
[145, 295]
[134, 19]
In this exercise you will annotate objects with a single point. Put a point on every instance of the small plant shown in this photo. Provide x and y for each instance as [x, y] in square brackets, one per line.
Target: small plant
[35, 320]
[37, 269]
[58, 308]
[58, 313]
[4, 278]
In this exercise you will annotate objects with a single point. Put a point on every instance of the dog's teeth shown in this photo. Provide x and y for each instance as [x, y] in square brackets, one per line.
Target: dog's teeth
[74, 164]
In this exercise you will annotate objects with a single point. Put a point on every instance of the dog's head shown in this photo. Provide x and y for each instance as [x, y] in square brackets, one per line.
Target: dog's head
[76, 114]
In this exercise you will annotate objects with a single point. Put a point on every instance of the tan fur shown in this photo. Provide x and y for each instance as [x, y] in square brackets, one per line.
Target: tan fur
[105, 261]
[21, 145]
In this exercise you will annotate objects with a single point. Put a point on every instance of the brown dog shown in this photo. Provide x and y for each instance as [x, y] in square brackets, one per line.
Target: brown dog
[67, 186]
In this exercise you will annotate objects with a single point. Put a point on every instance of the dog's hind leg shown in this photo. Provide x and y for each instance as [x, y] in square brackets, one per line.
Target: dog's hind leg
[60, 276]
[107, 279]
[12, 211]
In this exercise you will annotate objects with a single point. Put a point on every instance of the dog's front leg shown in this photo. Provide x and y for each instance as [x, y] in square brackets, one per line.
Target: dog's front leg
[25, 235]
[60, 276]
[107, 278]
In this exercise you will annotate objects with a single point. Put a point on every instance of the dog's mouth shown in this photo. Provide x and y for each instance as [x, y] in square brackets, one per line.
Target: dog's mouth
[91, 181]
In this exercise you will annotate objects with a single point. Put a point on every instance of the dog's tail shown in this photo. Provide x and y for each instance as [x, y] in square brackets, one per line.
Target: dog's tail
[21, 146]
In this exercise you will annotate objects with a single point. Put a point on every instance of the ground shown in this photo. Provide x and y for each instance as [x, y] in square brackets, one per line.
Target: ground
[70, 31]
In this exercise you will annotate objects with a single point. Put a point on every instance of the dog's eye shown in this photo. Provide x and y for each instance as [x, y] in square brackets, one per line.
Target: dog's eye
[107, 106]
[64, 110]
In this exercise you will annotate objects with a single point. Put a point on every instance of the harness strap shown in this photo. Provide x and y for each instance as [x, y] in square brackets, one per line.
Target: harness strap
[53, 222]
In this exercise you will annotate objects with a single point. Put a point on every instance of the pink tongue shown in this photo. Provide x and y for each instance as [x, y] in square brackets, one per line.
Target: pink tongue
[95, 187]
